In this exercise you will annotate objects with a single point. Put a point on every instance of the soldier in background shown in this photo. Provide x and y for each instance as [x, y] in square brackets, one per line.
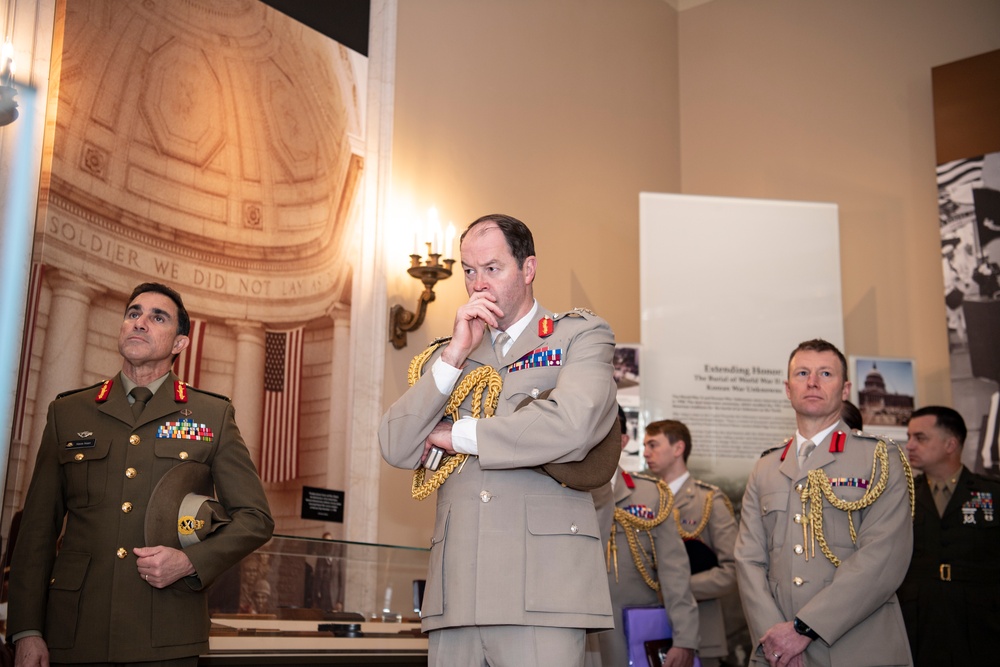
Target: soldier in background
[951, 595]
[705, 521]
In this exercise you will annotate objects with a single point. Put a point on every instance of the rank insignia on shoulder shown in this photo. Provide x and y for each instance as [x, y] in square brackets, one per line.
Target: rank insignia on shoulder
[545, 327]
[104, 391]
[786, 444]
[180, 392]
[837, 441]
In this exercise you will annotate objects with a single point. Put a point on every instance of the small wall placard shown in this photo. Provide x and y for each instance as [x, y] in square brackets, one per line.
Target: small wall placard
[322, 504]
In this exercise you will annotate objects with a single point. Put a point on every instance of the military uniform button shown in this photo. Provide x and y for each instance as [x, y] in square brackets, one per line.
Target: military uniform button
[52, 580]
[183, 456]
[799, 487]
[78, 457]
[798, 518]
[122, 552]
[130, 473]
[133, 439]
[485, 496]
[798, 581]
[535, 392]
[574, 529]
[126, 507]
[798, 549]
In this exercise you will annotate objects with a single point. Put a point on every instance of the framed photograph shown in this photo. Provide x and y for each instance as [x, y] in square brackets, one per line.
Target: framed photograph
[626, 373]
[884, 390]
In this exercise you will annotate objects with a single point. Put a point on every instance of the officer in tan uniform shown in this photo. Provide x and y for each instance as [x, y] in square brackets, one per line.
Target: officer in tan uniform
[516, 572]
[108, 596]
[639, 505]
[826, 532]
[704, 518]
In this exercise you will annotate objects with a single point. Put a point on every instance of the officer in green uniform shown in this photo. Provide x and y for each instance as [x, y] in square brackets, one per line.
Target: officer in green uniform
[104, 595]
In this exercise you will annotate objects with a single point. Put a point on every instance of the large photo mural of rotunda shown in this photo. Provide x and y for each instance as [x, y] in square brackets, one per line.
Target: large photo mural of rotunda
[215, 146]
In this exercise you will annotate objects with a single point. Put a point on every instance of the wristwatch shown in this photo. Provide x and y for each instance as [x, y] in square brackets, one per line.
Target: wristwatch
[804, 629]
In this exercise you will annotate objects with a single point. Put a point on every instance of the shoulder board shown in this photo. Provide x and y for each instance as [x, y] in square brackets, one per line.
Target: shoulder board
[646, 476]
[774, 449]
[439, 341]
[208, 393]
[77, 391]
[706, 485]
[868, 436]
[576, 312]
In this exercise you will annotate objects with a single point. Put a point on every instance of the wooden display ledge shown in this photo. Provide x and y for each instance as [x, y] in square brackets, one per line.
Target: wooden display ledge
[249, 641]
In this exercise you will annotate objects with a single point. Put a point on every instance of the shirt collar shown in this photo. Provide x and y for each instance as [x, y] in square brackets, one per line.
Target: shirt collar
[128, 385]
[816, 439]
[676, 485]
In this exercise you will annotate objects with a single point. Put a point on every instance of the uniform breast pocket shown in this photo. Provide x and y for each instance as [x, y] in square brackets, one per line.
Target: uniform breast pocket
[836, 527]
[182, 450]
[529, 383]
[773, 514]
[84, 463]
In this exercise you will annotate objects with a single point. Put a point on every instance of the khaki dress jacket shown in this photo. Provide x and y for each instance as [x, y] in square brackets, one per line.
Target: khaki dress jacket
[719, 535]
[853, 607]
[512, 546]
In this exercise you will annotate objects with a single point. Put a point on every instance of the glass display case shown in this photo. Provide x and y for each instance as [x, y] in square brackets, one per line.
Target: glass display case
[300, 600]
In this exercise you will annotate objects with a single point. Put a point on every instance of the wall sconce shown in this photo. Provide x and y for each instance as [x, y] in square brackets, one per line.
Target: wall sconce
[428, 271]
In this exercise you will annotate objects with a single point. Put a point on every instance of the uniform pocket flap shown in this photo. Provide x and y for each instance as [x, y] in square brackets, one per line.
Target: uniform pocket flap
[559, 515]
[772, 502]
[69, 571]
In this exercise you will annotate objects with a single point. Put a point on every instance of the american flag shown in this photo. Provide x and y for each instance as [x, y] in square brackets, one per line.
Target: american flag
[30, 318]
[187, 366]
[282, 375]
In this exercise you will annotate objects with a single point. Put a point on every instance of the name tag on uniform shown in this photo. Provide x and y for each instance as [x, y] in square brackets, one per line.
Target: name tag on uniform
[81, 444]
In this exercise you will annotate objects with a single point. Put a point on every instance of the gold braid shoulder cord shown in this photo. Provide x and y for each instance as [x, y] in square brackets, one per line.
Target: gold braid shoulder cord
[818, 487]
[483, 380]
[706, 514]
[631, 525]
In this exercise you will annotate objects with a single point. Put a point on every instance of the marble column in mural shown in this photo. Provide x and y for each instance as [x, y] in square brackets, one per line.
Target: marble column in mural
[336, 462]
[248, 383]
[65, 345]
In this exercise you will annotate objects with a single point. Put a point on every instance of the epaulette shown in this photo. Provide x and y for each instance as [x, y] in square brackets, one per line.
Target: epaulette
[77, 391]
[646, 476]
[439, 341]
[208, 393]
[783, 445]
[576, 312]
[706, 485]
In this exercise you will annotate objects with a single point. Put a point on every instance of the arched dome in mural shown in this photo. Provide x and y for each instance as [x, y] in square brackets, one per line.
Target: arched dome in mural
[215, 145]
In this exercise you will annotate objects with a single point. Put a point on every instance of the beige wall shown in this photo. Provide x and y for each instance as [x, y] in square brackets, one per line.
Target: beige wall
[561, 112]
[557, 112]
[831, 101]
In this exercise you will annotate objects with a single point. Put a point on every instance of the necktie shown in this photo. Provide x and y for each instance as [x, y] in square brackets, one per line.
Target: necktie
[141, 395]
[804, 451]
[499, 343]
[941, 494]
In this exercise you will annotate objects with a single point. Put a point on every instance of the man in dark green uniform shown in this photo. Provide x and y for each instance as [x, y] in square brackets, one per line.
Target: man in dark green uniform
[951, 594]
[104, 596]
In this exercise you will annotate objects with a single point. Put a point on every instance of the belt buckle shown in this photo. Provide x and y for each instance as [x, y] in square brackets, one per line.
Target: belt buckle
[945, 571]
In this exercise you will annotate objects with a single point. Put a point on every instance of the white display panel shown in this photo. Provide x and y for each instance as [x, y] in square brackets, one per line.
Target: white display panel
[728, 288]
